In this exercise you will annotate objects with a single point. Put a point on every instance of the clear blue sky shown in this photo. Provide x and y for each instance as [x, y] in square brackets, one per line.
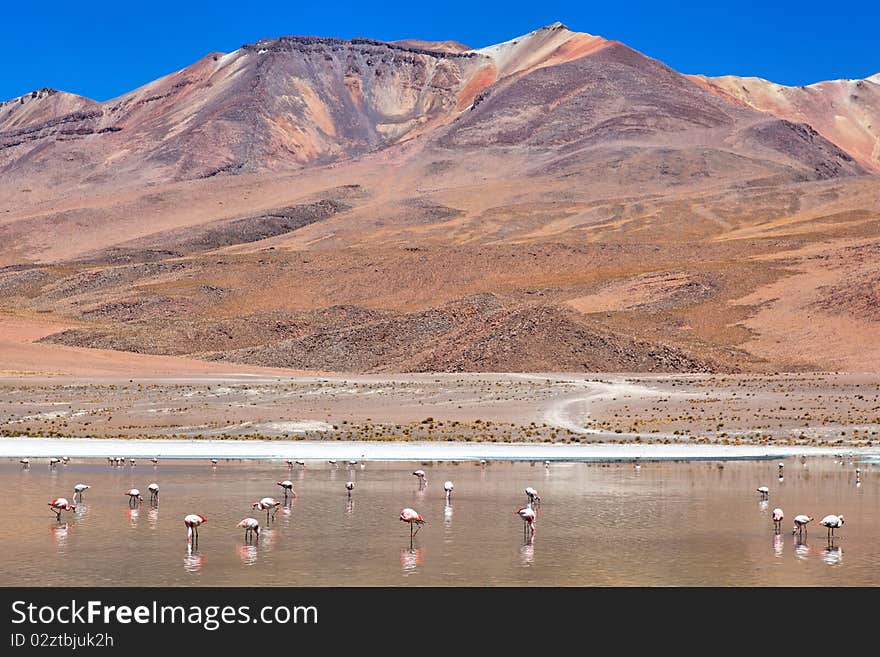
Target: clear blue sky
[103, 49]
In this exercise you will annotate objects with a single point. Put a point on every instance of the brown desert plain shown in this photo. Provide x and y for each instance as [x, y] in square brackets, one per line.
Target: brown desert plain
[395, 240]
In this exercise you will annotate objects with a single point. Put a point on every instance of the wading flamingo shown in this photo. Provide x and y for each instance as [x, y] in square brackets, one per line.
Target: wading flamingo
[800, 524]
[532, 496]
[79, 489]
[154, 492]
[251, 529]
[65, 460]
[60, 504]
[213, 463]
[155, 460]
[832, 522]
[53, 462]
[448, 487]
[421, 475]
[25, 463]
[267, 504]
[192, 522]
[287, 485]
[134, 497]
[412, 517]
[777, 517]
[528, 516]
[131, 461]
[764, 492]
[349, 486]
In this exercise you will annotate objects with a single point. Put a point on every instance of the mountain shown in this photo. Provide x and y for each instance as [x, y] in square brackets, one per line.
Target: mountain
[846, 112]
[558, 201]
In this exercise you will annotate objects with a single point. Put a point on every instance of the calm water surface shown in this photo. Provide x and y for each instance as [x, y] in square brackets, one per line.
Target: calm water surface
[695, 523]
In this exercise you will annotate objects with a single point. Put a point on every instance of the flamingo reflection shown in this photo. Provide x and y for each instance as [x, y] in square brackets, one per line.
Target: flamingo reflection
[133, 514]
[410, 560]
[193, 560]
[247, 554]
[832, 555]
[801, 549]
[527, 554]
[153, 516]
[778, 542]
[60, 533]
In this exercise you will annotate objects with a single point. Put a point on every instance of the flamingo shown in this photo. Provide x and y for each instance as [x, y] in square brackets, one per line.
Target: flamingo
[251, 528]
[130, 461]
[349, 486]
[332, 462]
[547, 464]
[800, 524]
[154, 492]
[832, 522]
[289, 463]
[301, 463]
[413, 517]
[192, 522]
[421, 475]
[532, 496]
[287, 485]
[448, 487]
[25, 463]
[213, 463]
[60, 504]
[155, 460]
[764, 491]
[53, 462]
[482, 463]
[528, 515]
[79, 489]
[134, 497]
[780, 467]
[267, 504]
[777, 517]
[65, 460]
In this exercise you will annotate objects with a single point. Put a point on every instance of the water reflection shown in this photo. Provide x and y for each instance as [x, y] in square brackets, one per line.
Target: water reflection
[349, 506]
[410, 560]
[527, 554]
[832, 555]
[133, 515]
[153, 516]
[193, 560]
[777, 545]
[763, 505]
[59, 534]
[801, 549]
[447, 515]
[247, 554]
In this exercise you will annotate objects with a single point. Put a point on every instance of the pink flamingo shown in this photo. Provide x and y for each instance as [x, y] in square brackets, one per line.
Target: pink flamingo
[154, 493]
[532, 496]
[251, 529]
[421, 475]
[134, 497]
[448, 487]
[60, 504]
[800, 524]
[287, 485]
[267, 504]
[832, 522]
[413, 517]
[529, 516]
[192, 522]
[777, 517]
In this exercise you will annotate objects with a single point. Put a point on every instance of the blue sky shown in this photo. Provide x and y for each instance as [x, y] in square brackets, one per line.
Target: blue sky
[103, 49]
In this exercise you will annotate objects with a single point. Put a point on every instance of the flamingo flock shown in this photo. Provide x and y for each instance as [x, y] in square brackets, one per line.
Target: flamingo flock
[528, 514]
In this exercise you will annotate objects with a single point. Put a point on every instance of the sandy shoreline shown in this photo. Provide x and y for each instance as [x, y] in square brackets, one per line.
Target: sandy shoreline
[399, 451]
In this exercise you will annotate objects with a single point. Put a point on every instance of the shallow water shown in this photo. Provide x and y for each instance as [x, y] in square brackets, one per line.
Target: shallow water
[673, 523]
